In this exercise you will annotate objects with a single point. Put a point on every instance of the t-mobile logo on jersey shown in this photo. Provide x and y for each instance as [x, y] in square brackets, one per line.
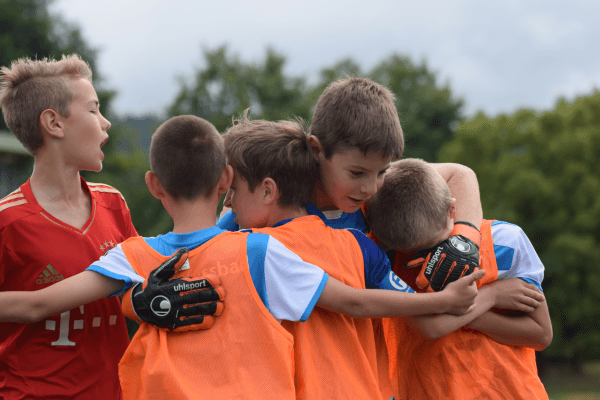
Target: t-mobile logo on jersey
[65, 325]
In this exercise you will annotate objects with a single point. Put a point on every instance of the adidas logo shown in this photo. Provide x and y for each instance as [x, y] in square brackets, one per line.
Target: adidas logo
[49, 274]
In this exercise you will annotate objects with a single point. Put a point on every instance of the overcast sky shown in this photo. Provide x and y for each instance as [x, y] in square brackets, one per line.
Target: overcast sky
[498, 55]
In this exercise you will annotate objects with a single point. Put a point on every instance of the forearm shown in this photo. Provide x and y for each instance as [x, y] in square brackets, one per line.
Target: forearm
[376, 303]
[531, 329]
[21, 307]
[65, 295]
[464, 187]
[436, 326]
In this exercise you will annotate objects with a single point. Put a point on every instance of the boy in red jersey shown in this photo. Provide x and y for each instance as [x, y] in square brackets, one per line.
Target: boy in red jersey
[53, 227]
[265, 281]
[493, 355]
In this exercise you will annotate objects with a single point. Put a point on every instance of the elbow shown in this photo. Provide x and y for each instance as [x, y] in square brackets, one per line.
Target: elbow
[35, 313]
[465, 171]
[431, 333]
[544, 340]
[357, 308]
[427, 328]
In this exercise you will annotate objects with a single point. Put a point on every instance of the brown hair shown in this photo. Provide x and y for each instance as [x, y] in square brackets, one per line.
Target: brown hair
[411, 207]
[29, 87]
[278, 150]
[187, 154]
[357, 112]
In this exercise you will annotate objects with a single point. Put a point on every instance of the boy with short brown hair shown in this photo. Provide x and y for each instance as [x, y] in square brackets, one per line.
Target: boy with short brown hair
[357, 112]
[413, 211]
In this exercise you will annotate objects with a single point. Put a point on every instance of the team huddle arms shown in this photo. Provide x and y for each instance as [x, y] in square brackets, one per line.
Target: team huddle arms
[192, 303]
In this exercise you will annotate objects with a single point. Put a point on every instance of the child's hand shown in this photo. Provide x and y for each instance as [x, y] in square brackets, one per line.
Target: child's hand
[516, 294]
[462, 293]
[178, 304]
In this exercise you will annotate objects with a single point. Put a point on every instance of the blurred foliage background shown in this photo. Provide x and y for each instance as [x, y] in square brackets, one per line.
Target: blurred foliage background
[536, 169]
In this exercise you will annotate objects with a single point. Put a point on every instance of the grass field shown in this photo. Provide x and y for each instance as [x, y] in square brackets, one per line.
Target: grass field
[563, 383]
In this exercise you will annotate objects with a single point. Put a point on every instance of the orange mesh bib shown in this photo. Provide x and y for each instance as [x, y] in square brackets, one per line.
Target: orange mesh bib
[246, 354]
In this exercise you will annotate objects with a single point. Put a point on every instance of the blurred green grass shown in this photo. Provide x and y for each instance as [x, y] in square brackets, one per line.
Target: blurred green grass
[563, 382]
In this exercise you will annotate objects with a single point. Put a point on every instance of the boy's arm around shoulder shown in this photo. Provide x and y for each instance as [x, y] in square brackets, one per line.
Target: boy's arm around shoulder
[381, 303]
[436, 326]
[464, 187]
[531, 325]
[489, 296]
[65, 295]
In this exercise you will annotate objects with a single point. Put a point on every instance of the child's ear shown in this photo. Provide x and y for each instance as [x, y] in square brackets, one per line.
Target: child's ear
[316, 148]
[154, 185]
[452, 213]
[226, 179]
[270, 192]
[51, 123]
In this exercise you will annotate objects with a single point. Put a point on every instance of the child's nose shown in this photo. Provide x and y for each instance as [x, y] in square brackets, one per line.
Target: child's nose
[370, 188]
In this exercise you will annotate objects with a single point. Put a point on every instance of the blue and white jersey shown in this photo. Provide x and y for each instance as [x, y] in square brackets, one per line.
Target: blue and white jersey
[515, 255]
[288, 286]
[336, 219]
[378, 271]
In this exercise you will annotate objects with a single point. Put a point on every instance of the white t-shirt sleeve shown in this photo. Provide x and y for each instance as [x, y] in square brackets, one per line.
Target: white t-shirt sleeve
[288, 286]
[114, 264]
[515, 255]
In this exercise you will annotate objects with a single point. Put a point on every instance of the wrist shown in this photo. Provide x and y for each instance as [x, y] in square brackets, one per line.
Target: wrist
[445, 301]
[467, 230]
[487, 296]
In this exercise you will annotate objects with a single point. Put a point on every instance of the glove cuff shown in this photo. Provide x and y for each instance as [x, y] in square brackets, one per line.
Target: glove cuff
[136, 288]
[467, 230]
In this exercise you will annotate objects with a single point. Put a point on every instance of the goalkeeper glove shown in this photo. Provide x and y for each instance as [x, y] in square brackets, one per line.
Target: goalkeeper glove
[450, 260]
[179, 304]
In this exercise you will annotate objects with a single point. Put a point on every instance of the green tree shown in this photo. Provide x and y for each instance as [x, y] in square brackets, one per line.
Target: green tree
[28, 29]
[427, 110]
[226, 86]
[540, 171]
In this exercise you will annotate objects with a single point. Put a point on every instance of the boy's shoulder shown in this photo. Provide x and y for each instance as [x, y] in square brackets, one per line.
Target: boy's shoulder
[107, 196]
[14, 207]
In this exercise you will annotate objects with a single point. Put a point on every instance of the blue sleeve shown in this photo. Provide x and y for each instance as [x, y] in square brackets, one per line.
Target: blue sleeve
[257, 253]
[227, 222]
[378, 271]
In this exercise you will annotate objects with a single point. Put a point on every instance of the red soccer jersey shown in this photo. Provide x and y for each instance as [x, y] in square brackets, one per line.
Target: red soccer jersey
[73, 355]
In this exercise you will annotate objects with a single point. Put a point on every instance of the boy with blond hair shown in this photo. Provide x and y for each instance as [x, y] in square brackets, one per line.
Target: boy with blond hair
[53, 227]
[246, 353]
[489, 356]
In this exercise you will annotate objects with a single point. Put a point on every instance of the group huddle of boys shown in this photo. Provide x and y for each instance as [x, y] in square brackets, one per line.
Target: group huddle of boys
[284, 314]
